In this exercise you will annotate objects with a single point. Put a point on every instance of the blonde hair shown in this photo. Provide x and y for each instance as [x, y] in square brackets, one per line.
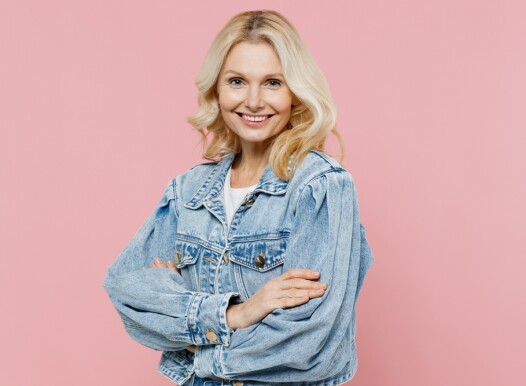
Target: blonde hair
[309, 123]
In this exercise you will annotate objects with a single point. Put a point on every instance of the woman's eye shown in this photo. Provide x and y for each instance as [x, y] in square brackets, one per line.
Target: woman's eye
[235, 82]
[238, 82]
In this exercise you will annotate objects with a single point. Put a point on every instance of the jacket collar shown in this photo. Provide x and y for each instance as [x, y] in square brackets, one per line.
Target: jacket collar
[213, 185]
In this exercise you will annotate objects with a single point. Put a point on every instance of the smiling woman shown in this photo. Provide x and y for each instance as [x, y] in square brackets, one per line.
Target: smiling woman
[248, 270]
[254, 100]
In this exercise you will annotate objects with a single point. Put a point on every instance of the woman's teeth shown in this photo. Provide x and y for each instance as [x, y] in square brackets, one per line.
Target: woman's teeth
[252, 118]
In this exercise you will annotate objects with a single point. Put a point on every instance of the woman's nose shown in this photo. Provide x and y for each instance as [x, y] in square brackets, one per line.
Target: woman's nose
[253, 100]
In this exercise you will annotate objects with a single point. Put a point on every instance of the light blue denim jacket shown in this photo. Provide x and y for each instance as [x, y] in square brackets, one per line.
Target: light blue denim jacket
[311, 221]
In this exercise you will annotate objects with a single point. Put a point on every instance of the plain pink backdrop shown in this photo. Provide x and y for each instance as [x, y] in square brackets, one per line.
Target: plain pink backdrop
[431, 97]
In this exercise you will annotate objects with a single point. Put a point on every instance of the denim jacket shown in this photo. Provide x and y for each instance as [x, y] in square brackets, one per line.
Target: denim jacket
[311, 222]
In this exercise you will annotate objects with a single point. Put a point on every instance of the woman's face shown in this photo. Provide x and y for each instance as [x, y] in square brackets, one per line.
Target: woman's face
[254, 100]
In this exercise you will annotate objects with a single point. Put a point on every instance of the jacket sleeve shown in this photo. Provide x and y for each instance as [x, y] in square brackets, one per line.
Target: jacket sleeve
[155, 307]
[300, 343]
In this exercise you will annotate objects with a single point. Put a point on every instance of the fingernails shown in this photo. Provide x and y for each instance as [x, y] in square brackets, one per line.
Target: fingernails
[157, 260]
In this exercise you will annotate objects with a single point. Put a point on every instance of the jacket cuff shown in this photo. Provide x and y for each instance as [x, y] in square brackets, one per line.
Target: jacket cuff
[206, 362]
[207, 318]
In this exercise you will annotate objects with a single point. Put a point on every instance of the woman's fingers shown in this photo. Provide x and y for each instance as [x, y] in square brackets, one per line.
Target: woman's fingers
[300, 283]
[276, 290]
[297, 293]
[300, 273]
[158, 263]
[171, 265]
[294, 298]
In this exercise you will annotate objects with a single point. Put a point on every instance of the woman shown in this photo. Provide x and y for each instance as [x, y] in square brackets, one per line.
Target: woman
[248, 270]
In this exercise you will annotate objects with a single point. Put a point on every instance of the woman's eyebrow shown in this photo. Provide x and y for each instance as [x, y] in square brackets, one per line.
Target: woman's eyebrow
[278, 74]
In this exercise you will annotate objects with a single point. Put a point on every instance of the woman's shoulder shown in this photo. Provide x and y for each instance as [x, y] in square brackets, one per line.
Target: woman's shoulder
[318, 172]
[316, 164]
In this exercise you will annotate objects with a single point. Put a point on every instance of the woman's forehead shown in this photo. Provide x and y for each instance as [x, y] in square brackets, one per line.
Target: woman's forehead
[254, 59]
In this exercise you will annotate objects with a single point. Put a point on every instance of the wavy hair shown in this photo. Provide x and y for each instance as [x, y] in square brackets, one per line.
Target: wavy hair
[310, 122]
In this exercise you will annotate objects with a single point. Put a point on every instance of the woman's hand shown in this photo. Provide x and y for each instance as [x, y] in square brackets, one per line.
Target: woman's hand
[158, 263]
[293, 288]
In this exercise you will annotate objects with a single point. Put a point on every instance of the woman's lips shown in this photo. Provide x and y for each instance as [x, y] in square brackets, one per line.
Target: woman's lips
[254, 120]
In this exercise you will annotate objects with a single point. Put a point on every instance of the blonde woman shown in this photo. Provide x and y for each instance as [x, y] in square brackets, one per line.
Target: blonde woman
[248, 270]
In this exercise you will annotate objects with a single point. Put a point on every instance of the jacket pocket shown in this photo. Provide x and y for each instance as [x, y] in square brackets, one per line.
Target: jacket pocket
[187, 254]
[257, 259]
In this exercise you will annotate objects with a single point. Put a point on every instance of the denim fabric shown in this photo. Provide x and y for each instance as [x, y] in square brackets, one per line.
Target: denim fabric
[311, 221]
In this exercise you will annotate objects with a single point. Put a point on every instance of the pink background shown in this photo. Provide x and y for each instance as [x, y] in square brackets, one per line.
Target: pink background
[431, 99]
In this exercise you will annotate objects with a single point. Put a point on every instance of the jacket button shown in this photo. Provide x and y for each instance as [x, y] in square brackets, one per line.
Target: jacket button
[260, 260]
[211, 335]
[237, 383]
[250, 202]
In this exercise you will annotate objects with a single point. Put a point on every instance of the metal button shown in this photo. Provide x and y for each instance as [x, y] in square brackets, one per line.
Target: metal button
[185, 373]
[250, 202]
[177, 256]
[237, 383]
[211, 335]
[260, 260]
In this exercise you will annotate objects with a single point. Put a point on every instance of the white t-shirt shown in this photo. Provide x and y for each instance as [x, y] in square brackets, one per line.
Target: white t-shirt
[234, 197]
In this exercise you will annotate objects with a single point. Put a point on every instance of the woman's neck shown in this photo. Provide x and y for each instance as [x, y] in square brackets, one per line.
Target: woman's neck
[248, 167]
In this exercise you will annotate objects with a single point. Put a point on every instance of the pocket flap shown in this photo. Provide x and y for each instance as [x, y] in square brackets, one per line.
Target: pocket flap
[260, 253]
[186, 252]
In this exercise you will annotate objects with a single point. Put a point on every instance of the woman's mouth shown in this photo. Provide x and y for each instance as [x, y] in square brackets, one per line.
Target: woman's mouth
[254, 120]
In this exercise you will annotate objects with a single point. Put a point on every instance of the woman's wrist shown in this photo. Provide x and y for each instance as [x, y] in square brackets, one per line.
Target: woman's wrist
[233, 316]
